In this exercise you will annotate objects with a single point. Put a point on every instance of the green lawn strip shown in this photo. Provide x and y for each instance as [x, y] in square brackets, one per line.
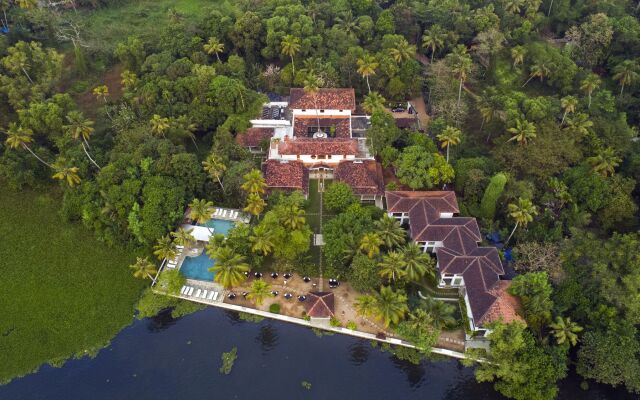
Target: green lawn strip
[63, 292]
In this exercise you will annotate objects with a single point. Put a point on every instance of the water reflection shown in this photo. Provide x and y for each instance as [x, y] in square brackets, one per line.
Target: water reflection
[415, 373]
[267, 338]
[161, 322]
[233, 317]
[359, 352]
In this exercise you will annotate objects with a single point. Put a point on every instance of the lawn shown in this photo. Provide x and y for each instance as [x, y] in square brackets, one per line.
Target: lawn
[63, 292]
[114, 24]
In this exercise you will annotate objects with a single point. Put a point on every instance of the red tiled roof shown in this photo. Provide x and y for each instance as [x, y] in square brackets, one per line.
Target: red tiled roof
[318, 147]
[364, 177]
[506, 307]
[286, 175]
[254, 136]
[404, 201]
[324, 99]
[301, 125]
[320, 304]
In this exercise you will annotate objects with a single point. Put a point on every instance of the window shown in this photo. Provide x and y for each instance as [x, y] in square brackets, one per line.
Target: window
[457, 281]
[321, 111]
[304, 110]
[322, 157]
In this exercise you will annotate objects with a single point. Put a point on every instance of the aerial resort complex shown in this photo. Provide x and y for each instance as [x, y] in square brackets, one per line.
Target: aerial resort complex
[309, 142]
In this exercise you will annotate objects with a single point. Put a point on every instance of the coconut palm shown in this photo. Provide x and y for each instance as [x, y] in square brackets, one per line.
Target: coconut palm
[517, 55]
[312, 85]
[565, 330]
[370, 244]
[293, 217]
[417, 263]
[159, 125]
[101, 92]
[183, 237]
[128, 78]
[367, 67]
[254, 182]
[27, 4]
[605, 162]
[461, 69]
[579, 124]
[214, 166]
[262, 240]
[441, 313]
[589, 84]
[373, 102]
[165, 248]
[255, 204]
[213, 46]
[568, 104]
[66, 173]
[80, 128]
[347, 23]
[625, 73]
[390, 231]
[143, 268]
[201, 211]
[522, 132]
[229, 268]
[513, 6]
[365, 305]
[392, 266]
[537, 71]
[289, 46]
[390, 306]
[17, 136]
[403, 51]
[259, 291]
[434, 38]
[522, 213]
[450, 136]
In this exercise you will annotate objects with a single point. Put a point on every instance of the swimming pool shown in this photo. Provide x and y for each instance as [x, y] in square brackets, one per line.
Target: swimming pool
[198, 267]
[220, 226]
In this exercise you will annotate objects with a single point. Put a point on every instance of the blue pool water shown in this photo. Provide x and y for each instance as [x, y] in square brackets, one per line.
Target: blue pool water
[198, 267]
[220, 226]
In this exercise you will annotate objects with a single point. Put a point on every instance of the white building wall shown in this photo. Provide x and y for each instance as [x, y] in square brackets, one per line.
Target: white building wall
[320, 112]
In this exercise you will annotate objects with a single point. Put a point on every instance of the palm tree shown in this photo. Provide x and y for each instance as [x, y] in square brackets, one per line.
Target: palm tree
[254, 182]
[262, 240]
[450, 136]
[370, 244]
[215, 167]
[625, 73]
[80, 128]
[517, 55]
[390, 231]
[17, 136]
[403, 51]
[128, 78]
[390, 306]
[605, 162]
[522, 132]
[165, 248]
[311, 87]
[183, 237]
[65, 173]
[201, 211]
[589, 84]
[366, 67]
[461, 68]
[365, 305]
[392, 266]
[568, 104]
[255, 204]
[347, 23]
[522, 212]
[565, 330]
[537, 71]
[293, 217]
[159, 125]
[417, 263]
[373, 102]
[229, 268]
[579, 124]
[513, 6]
[102, 92]
[289, 46]
[441, 313]
[143, 268]
[27, 4]
[214, 46]
[433, 38]
[259, 291]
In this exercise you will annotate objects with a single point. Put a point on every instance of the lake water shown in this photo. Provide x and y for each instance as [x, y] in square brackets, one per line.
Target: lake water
[163, 358]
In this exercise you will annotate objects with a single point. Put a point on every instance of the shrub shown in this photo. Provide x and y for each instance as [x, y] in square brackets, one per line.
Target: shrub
[171, 281]
[228, 359]
[335, 322]
[352, 325]
[491, 196]
[306, 385]
[338, 197]
[274, 308]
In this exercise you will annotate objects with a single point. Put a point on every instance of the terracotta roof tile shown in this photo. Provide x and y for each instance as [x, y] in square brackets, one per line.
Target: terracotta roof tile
[403, 201]
[506, 307]
[364, 177]
[253, 137]
[318, 147]
[320, 304]
[302, 125]
[325, 99]
[286, 175]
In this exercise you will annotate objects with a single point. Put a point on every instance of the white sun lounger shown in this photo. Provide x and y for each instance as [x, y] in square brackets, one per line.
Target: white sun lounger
[234, 214]
[217, 212]
[215, 296]
[184, 289]
[204, 294]
[224, 213]
[211, 293]
[190, 291]
[198, 292]
[180, 248]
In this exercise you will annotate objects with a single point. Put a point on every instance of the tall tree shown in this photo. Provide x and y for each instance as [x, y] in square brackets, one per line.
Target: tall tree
[290, 46]
[80, 128]
[450, 136]
[165, 248]
[214, 46]
[522, 213]
[255, 204]
[390, 306]
[229, 268]
[534, 291]
[417, 263]
[259, 291]
[373, 102]
[441, 313]
[65, 173]
[143, 268]
[590, 83]
[434, 38]
[312, 85]
[183, 237]
[537, 70]
[262, 240]
[390, 231]
[604, 162]
[565, 330]
[201, 211]
[461, 68]
[625, 73]
[403, 51]
[522, 132]
[367, 66]
[17, 136]
[215, 166]
[568, 104]
[517, 55]
[159, 125]
[370, 244]
[254, 182]
[293, 217]
[392, 266]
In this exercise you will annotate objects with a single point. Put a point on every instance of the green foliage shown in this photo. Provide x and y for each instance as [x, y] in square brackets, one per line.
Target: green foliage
[342, 236]
[274, 308]
[363, 274]
[306, 385]
[338, 197]
[171, 281]
[534, 290]
[250, 317]
[420, 169]
[491, 195]
[228, 359]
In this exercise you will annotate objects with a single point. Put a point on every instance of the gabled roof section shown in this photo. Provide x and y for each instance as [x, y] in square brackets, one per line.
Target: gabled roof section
[404, 201]
[506, 306]
[254, 136]
[320, 304]
[286, 175]
[318, 147]
[324, 99]
[364, 177]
